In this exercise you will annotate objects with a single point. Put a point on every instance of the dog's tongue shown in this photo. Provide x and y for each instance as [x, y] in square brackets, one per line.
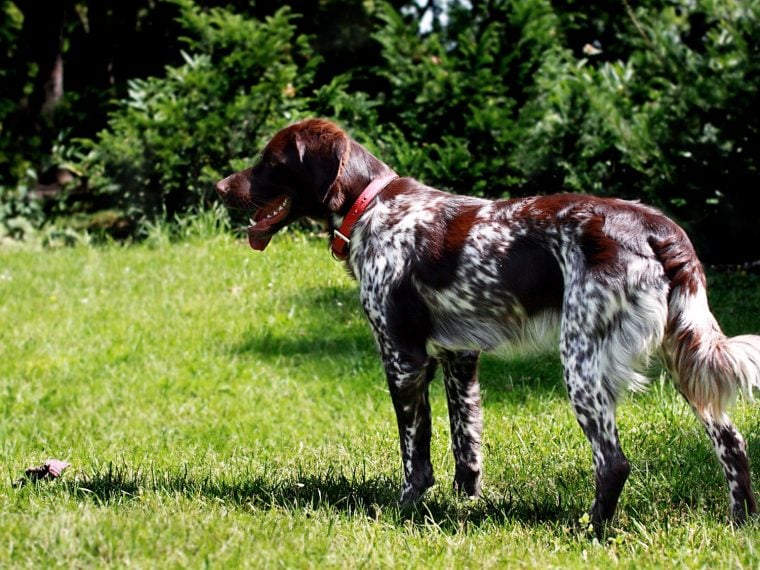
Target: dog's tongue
[258, 243]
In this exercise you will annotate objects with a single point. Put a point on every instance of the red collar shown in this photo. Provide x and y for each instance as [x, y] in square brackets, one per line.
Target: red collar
[341, 237]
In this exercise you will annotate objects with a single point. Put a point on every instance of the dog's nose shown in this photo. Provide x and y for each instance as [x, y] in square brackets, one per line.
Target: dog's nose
[223, 186]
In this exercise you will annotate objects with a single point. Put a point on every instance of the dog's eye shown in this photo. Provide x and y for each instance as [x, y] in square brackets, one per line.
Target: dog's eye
[267, 161]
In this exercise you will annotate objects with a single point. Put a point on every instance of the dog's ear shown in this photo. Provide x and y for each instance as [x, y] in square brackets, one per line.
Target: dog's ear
[300, 142]
[323, 149]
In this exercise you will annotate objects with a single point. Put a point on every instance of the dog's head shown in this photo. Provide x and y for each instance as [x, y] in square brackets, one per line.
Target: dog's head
[310, 168]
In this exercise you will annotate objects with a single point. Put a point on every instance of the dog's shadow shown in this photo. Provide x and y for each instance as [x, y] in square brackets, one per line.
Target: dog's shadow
[694, 484]
[355, 495]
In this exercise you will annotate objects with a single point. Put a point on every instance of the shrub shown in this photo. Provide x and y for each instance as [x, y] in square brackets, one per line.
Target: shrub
[673, 123]
[452, 97]
[174, 136]
[503, 99]
[508, 100]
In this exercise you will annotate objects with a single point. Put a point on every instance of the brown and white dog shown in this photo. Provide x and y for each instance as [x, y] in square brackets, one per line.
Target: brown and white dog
[442, 277]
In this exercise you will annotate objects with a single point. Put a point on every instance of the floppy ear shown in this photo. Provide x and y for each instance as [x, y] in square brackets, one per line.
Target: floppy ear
[323, 156]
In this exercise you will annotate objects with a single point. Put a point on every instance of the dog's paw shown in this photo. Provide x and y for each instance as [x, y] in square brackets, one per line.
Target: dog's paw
[744, 511]
[412, 492]
[467, 482]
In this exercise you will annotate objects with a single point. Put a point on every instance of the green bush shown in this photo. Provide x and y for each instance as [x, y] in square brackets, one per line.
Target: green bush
[448, 114]
[674, 123]
[509, 97]
[176, 135]
[19, 213]
[509, 100]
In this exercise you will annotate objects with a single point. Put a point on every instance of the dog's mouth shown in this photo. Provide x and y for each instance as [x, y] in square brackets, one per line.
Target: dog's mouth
[266, 221]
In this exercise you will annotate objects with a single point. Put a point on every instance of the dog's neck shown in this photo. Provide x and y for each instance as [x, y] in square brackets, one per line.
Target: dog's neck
[357, 171]
[341, 237]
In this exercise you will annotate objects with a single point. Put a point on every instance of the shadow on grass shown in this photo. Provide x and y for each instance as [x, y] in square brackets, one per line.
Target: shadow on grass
[686, 478]
[329, 327]
[342, 342]
[356, 495]
[518, 378]
[336, 328]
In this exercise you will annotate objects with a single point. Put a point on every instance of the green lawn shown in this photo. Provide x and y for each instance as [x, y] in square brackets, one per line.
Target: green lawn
[224, 407]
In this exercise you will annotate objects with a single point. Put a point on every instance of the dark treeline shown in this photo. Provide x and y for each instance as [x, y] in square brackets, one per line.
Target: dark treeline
[116, 113]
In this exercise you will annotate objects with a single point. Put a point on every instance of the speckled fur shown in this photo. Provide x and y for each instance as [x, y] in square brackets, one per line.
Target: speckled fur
[443, 277]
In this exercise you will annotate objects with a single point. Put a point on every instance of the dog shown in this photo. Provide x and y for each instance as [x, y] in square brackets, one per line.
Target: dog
[443, 277]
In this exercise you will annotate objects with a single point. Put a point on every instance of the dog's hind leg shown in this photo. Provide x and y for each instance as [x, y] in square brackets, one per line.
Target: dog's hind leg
[595, 412]
[460, 375]
[610, 326]
[731, 451]
[709, 370]
[594, 409]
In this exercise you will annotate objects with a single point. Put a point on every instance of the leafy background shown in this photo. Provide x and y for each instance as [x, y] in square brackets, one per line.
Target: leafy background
[651, 101]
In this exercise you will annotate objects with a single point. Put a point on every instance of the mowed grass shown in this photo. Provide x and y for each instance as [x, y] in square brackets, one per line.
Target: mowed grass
[226, 408]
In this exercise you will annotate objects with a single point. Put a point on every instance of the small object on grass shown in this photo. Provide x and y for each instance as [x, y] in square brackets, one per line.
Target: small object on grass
[51, 469]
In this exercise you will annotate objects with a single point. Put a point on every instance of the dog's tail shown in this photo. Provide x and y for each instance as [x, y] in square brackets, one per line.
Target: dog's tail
[708, 367]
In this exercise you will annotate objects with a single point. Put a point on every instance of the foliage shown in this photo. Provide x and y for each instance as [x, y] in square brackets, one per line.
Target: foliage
[509, 100]
[673, 123]
[19, 213]
[453, 96]
[176, 135]
[12, 164]
[499, 98]
[98, 44]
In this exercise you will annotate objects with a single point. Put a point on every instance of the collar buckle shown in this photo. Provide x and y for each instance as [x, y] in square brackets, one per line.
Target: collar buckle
[337, 234]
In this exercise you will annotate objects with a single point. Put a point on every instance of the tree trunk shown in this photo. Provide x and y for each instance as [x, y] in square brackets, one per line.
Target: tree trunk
[42, 41]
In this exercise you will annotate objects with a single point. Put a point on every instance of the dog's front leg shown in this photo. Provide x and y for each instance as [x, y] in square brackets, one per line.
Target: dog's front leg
[460, 375]
[401, 327]
[408, 383]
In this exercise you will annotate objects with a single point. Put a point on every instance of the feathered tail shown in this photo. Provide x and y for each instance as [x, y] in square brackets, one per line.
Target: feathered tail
[709, 368]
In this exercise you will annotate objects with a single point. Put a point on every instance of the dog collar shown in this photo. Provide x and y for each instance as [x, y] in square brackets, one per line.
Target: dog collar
[341, 236]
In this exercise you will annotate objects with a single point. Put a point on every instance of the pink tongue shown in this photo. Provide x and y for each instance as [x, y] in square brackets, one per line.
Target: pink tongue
[258, 244]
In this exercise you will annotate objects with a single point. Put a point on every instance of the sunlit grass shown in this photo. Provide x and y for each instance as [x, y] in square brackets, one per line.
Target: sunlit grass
[226, 407]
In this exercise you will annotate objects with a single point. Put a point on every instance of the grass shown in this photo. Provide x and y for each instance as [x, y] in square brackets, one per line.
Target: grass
[225, 408]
